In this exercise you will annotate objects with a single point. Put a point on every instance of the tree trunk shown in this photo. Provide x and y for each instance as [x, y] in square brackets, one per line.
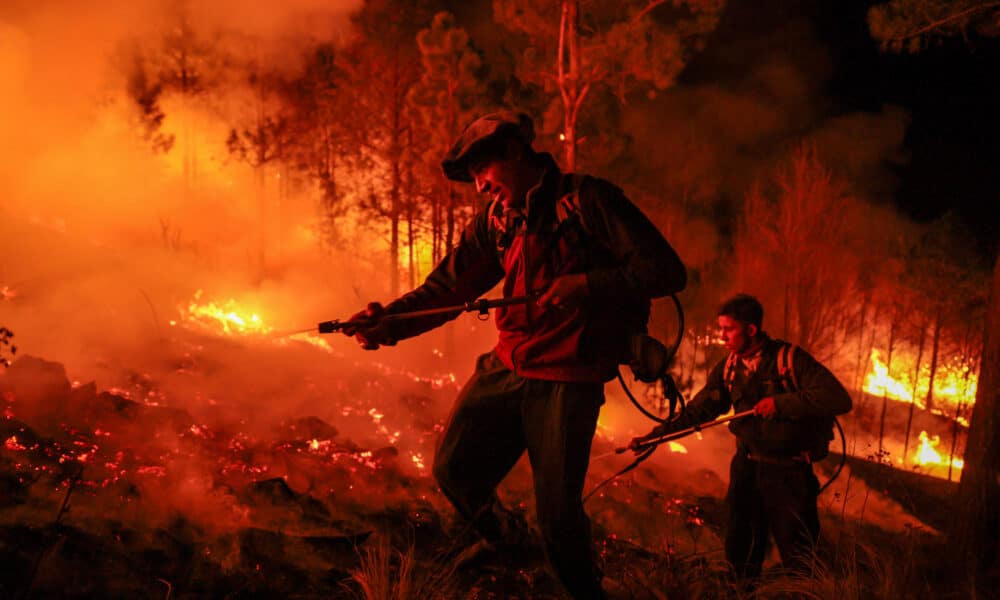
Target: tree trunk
[436, 230]
[260, 183]
[569, 78]
[396, 181]
[394, 217]
[411, 243]
[450, 217]
[935, 346]
[960, 408]
[913, 395]
[859, 369]
[888, 368]
[868, 353]
[978, 522]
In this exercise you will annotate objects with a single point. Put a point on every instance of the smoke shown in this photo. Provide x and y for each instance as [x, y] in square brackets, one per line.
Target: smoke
[751, 100]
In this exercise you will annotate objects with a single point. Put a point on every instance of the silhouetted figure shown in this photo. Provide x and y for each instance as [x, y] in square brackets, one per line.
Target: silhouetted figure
[594, 261]
[772, 487]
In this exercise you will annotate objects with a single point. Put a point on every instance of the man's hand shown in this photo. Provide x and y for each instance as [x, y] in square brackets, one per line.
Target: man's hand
[566, 290]
[636, 444]
[372, 335]
[766, 408]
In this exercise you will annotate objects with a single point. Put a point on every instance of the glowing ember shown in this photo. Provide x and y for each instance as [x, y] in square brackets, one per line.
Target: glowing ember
[231, 317]
[678, 448]
[418, 460]
[12, 444]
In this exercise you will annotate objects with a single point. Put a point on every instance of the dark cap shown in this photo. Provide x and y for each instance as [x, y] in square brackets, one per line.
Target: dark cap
[491, 127]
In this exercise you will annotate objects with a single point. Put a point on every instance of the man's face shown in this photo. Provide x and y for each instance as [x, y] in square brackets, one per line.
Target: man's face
[503, 179]
[737, 335]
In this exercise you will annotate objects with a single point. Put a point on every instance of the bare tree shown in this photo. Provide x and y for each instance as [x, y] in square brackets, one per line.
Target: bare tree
[146, 93]
[449, 94]
[261, 141]
[909, 25]
[579, 49]
[321, 130]
[383, 66]
[793, 249]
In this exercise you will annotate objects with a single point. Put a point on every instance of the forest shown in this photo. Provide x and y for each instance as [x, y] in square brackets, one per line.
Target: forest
[190, 187]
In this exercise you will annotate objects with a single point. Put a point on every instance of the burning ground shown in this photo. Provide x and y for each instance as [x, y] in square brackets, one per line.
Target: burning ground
[218, 458]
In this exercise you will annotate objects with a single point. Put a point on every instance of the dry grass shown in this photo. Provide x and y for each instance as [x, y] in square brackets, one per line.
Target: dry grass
[386, 573]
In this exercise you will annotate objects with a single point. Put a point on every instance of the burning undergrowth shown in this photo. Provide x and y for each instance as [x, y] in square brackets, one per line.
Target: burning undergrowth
[151, 471]
[229, 459]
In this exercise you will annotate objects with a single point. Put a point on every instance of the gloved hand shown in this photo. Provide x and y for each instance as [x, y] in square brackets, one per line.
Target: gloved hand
[657, 431]
[374, 335]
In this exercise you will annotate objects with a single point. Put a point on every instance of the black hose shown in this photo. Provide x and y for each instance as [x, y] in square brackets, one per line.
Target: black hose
[670, 390]
[843, 457]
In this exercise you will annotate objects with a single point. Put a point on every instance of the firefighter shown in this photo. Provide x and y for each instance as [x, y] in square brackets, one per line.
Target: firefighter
[594, 261]
[772, 487]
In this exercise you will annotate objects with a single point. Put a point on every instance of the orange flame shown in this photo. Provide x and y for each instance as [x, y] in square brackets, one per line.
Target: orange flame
[954, 385]
[232, 319]
[927, 454]
[879, 383]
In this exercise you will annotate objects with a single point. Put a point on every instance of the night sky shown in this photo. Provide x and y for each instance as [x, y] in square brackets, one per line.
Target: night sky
[949, 91]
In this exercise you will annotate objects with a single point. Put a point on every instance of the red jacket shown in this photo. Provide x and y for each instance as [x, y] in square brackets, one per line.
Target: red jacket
[626, 259]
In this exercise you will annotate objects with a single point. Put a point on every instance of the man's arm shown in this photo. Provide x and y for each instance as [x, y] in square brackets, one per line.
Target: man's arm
[647, 265]
[468, 271]
[820, 393]
[713, 400]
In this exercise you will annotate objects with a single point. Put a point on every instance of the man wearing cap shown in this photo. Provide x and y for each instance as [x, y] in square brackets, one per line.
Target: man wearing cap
[593, 261]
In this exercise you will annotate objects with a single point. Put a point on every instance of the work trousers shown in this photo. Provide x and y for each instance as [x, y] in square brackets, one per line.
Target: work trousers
[776, 498]
[497, 416]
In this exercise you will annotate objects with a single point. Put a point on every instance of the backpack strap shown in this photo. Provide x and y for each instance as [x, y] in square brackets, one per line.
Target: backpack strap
[729, 373]
[786, 365]
[568, 205]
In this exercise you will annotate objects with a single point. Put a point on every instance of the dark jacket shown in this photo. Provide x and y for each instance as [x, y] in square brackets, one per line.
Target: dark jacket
[626, 259]
[804, 421]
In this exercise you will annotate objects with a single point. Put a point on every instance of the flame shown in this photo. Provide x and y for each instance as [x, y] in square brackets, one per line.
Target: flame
[879, 383]
[678, 448]
[954, 384]
[231, 317]
[927, 454]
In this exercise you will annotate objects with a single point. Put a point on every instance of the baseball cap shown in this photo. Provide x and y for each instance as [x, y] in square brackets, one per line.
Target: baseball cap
[493, 126]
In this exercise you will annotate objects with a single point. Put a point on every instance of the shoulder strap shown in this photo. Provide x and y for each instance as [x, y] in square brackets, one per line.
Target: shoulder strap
[786, 364]
[729, 373]
[569, 204]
